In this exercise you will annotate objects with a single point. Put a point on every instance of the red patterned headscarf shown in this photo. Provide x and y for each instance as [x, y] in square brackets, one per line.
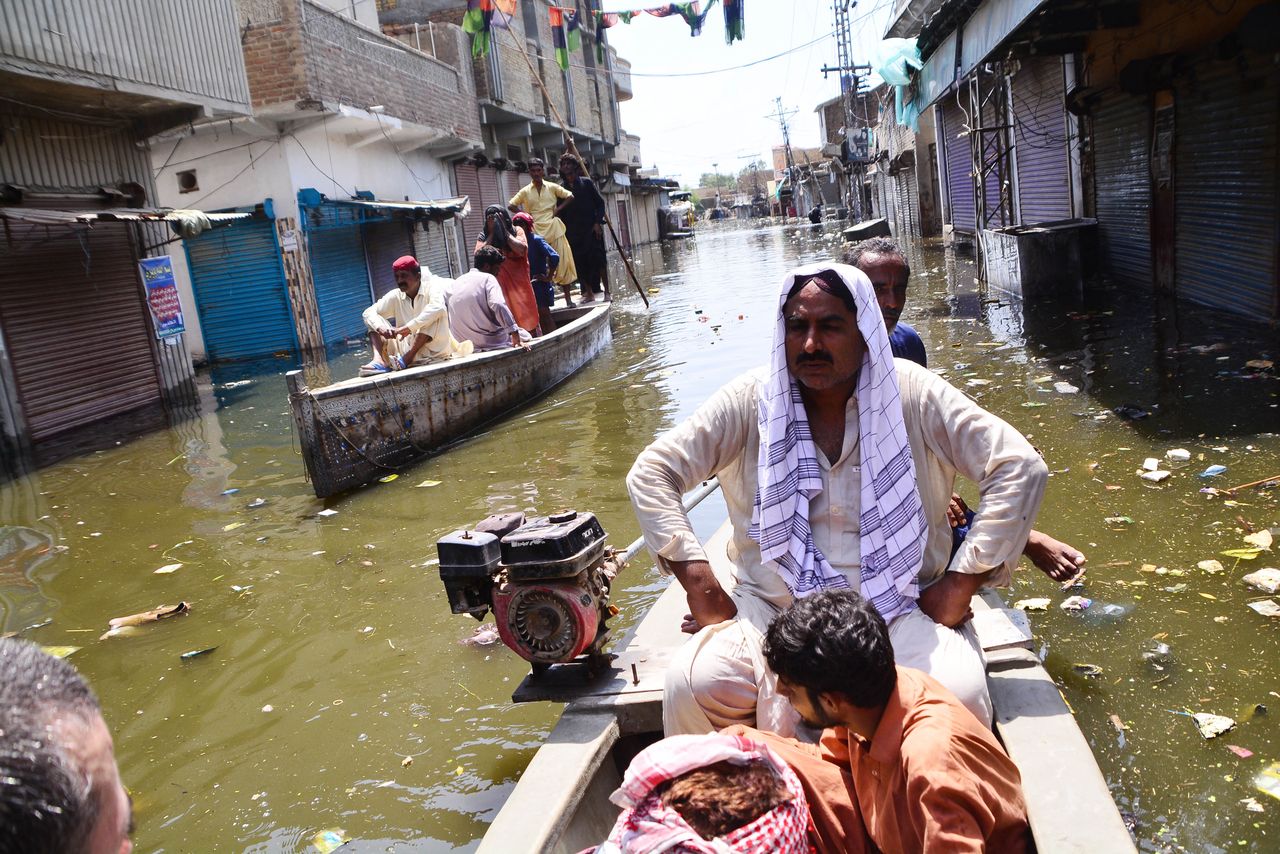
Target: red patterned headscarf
[647, 826]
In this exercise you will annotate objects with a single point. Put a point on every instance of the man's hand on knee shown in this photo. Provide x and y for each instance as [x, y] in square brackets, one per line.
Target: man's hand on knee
[946, 602]
[708, 603]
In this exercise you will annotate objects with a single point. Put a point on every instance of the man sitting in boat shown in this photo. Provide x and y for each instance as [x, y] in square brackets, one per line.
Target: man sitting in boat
[886, 266]
[926, 775]
[478, 312]
[709, 793]
[837, 465]
[410, 325]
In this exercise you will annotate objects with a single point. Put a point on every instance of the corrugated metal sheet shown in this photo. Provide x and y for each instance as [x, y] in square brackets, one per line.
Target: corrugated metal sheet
[191, 48]
[431, 246]
[1040, 140]
[1225, 181]
[959, 162]
[46, 154]
[384, 242]
[483, 185]
[97, 301]
[1122, 186]
[338, 270]
[240, 291]
[906, 204]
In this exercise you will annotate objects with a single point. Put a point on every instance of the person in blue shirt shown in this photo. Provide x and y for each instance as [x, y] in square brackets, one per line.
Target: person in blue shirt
[886, 266]
[543, 261]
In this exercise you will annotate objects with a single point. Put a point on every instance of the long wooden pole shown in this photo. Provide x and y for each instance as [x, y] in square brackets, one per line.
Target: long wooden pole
[569, 144]
[1274, 477]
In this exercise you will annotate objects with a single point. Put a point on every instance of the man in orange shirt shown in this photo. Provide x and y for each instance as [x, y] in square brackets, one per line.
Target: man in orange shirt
[922, 773]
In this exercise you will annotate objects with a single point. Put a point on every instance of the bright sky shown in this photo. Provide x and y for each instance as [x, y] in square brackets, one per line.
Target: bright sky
[688, 123]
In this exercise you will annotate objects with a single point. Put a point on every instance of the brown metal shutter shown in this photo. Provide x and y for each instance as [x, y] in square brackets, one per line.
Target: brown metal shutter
[467, 178]
[384, 242]
[431, 246]
[76, 324]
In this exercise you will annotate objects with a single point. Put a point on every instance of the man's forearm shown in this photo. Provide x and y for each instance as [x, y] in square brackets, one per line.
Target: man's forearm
[708, 602]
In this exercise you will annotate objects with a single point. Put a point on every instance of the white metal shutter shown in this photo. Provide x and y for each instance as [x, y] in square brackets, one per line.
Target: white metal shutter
[1122, 186]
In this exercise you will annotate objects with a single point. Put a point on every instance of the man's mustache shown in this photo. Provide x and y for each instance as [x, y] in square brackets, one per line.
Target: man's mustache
[816, 356]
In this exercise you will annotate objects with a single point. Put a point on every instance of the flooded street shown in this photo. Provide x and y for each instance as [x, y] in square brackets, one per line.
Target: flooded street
[336, 660]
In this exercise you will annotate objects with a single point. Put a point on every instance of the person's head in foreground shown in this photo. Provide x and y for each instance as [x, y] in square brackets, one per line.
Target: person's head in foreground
[709, 793]
[60, 790]
[885, 264]
[833, 659]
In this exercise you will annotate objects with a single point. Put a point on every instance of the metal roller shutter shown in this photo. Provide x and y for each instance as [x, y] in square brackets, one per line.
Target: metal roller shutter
[468, 184]
[384, 242]
[431, 246]
[1040, 140]
[57, 287]
[959, 164]
[338, 271]
[1122, 186]
[240, 291]
[1225, 180]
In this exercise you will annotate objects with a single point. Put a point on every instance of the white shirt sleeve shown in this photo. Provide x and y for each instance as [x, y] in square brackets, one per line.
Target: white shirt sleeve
[375, 316]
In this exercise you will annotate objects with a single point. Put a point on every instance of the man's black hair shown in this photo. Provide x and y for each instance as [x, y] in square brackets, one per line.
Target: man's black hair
[488, 256]
[852, 254]
[834, 642]
[830, 282]
[535, 161]
[47, 805]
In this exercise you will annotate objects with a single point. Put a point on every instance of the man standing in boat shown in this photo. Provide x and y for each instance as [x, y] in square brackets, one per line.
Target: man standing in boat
[886, 266]
[830, 461]
[478, 313]
[539, 199]
[409, 325]
[583, 218]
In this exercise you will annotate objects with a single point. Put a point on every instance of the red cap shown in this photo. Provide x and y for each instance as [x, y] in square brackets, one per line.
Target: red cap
[524, 219]
[406, 262]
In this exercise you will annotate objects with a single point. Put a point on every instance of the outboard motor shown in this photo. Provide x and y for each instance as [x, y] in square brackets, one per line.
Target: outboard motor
[546, 579]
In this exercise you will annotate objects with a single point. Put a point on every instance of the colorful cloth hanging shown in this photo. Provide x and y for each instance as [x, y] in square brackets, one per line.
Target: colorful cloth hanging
[566, 34]
[734, 27]
[480, 20]
[690, 12]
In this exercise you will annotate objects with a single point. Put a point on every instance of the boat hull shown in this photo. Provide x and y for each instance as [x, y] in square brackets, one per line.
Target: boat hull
[359, 430]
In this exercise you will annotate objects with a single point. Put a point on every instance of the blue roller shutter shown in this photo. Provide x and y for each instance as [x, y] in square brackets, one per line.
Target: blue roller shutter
[339, 270]
[1122, 186]
[1225, 181]
[240, 291]
[1040, 140]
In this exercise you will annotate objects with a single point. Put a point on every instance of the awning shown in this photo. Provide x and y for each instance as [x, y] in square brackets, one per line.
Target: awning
[441, 209]
[938, 73]
[188, 223]
[968, 46]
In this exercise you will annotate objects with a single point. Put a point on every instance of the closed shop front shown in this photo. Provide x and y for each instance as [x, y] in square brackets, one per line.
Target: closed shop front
[958, 163]
[483, 186]
[240, 291]
[1225, 185]
[431, 246]
[1122, 186]
[906, 202]
[76, 324]
[384, 242]
[1040, 140]
[339, 270]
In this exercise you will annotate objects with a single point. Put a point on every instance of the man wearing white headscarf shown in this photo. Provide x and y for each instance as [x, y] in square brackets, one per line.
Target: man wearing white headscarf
[836, 463]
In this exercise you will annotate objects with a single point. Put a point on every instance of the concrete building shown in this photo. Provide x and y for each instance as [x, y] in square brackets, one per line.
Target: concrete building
[86, 84]
[348, 144]
[901, 174]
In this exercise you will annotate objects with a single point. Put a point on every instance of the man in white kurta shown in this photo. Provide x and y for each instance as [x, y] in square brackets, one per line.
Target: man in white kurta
[719, 678]
[410, 325]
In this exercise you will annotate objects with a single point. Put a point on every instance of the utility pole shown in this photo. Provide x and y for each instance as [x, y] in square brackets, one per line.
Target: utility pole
[855, 140]
[786, 146]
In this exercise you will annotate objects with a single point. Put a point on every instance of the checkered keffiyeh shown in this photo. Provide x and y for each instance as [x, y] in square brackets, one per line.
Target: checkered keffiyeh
[892, 520]
[648, 827]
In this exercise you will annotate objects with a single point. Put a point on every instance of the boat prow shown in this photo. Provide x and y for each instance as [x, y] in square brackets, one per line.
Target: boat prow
[561, 803]
[358, 430]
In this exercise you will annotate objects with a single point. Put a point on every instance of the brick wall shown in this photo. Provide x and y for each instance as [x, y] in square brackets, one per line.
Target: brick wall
[273, 56]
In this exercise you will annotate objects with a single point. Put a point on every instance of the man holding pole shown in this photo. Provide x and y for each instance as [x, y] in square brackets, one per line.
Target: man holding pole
[583, 218]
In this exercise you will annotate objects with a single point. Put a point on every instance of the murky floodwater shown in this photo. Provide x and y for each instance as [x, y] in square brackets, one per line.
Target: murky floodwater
[336, 658]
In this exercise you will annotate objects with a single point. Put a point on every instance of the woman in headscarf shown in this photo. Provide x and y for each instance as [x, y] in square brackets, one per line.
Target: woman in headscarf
[513, 275]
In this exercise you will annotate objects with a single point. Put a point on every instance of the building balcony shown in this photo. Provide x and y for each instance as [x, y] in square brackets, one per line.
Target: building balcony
[301, 57]
[157, 62]
[628, 152]
[621, 76]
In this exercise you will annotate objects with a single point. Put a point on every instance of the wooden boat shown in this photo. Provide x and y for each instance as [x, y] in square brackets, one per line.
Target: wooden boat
[358, 430]
[561, 803]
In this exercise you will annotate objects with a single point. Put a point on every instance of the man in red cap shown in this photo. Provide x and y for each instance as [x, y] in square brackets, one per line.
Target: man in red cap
[410, 325]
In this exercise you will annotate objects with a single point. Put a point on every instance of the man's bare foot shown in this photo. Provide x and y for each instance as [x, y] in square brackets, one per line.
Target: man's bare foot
[1054, 558]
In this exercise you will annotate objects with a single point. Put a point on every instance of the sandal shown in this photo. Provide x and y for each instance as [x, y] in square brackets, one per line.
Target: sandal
[373, 369]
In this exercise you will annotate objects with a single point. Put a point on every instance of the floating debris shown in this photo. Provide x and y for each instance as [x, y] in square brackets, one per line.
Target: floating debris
[1075, 603]
[1267, 608]
[1118, 520]
[327, 512]
[1035, 604]
[1090, 671]
[1150, 464]
[1212, 726]
[1178, 455]
[61, 651]
[1260, 539]
[1242, 752]
[1268, 780]
[484, 635]
[1266, 579]
[1154, 476]
[233, 526]
[168, 569]
[256, 503]
[231, 491]
[328, 841]
[388, 478]
[1065, 388]
[1213, 471]
[196, 653]
[427, 484]
[1211, 566]
[1129, 412]
[1157, 653]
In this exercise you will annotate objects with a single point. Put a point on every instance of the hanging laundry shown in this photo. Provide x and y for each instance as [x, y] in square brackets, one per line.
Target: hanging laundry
[605, 20]
[480, 20]
[734, 27]
[688, 11]
[566, 34]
